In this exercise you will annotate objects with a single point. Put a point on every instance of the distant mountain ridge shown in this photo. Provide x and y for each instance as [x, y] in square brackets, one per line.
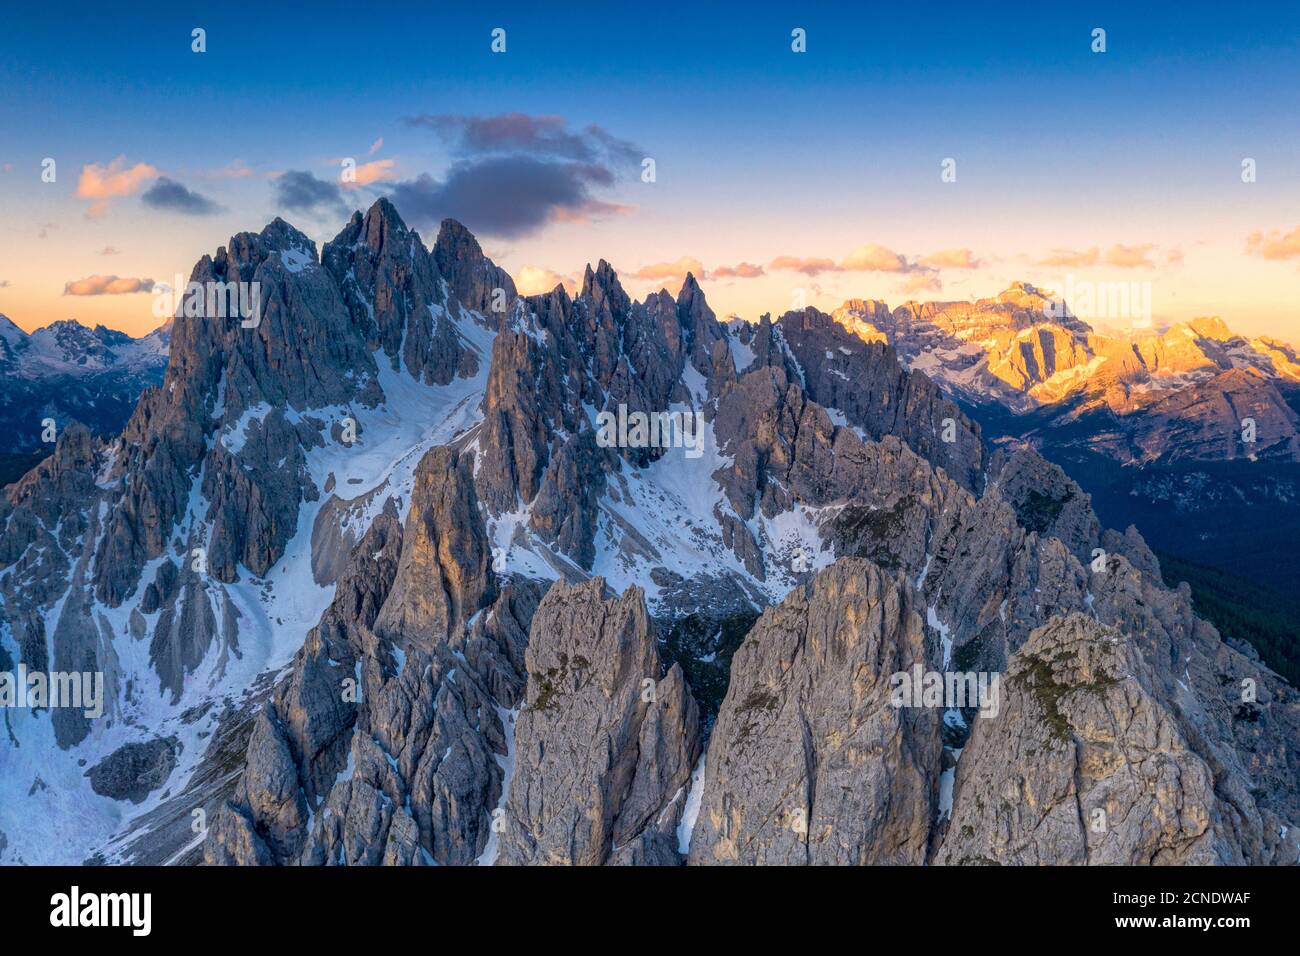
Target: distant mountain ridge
[1155, 424]
[69, 372]
[1176, 394]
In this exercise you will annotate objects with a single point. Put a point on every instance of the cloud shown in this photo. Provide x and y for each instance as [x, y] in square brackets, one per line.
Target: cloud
[809, 267]
[1130, 257]
[670, 270]
[376, 171]
[875, 258]
[870, 257]
[514, 173]
[375, 147]
[742, 270]
[1072, 259]
[114, 180]
[1174, 257]
[921, 282]
[108, 251]
[534, 280]
[4, 283]
[506, 196]
[170, 195]
[1274, 245]
[540, 136]
[1118, 256]
[45, 230]
[107, 285]
[103, 183]
[300, 191]
[952, 259]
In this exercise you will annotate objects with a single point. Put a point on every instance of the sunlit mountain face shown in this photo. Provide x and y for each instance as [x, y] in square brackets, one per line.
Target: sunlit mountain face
[756, 440]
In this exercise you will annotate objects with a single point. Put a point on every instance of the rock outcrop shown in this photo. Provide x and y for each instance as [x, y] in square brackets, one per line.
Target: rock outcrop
[1084, 765]
[605, 741]
[809, 762]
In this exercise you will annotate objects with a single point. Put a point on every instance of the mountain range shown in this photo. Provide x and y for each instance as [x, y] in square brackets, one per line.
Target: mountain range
[1190, 432]
[367, 586]
[67, 372]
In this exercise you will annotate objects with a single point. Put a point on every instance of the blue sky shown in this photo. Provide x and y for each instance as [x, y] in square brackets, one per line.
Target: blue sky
[760, 152]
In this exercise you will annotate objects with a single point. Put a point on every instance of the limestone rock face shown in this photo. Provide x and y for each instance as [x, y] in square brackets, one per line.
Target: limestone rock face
[392, 287]
[1047, 502]
[44, 515]
[471, 277]
[443, 577]
[809, 762]
[866, 382]
[300, 351]
[604, 743]
[384, 744]
[1083, 764]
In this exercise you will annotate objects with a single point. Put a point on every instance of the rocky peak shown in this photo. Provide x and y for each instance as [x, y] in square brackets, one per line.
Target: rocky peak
[808, 762]
[601, 288]
[1083, 793]
[704, 334]
[1212, 327]
[471, 276]
[393, 291]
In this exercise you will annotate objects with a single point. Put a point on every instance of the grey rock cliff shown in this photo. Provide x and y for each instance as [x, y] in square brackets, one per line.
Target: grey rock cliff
[604, 743]
[809, 762]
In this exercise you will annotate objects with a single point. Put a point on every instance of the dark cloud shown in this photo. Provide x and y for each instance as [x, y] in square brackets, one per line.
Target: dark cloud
[507, 196]
[519, 133]
[298, 191]
[172, 196]
[513, 173]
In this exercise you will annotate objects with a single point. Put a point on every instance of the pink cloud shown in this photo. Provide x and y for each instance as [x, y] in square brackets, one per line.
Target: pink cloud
[377, 171]
[809, 267]
[1072, 258]
[1130, 257]
[952, 259]
[1274, 245]
[1118, 256]
[113, 181]
[921, 282]
[743, 270]
[107, 285]
[670, 270]
[534, 280]
[235, 169]
[874, 258]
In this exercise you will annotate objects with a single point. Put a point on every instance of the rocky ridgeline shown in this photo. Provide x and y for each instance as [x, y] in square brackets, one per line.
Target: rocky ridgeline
[477, 688]
[1172, 396]
[68, 372]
